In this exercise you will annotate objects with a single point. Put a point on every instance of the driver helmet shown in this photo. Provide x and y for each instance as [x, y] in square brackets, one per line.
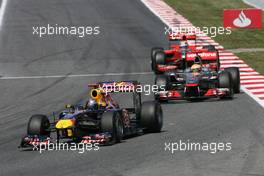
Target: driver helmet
[70, 108]
[62, 115]
[92, 104]
[196, 68]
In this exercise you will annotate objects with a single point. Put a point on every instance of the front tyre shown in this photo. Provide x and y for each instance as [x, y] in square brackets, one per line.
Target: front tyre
[111, 123]
[225, 81]
[235, 78]
[38, 125]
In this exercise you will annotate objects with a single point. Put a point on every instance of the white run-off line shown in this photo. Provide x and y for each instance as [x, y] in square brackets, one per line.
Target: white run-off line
[258, 90]
[74, 76]
[253, 77]
[252, 81]
[2, 12]
[255, 87]
[232, 62]
[249, 74]
[173, 19]
[252, 4]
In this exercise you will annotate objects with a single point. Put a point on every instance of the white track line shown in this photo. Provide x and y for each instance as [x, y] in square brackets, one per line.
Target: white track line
[252, 96]
[249, 77]
[235, 65]
[228, 58]
[2, 12]
[74, 76]
[254, 86]
[259, 95]
[251, 81]
[257, 90]
[254, 73]
[232, 62]
[252, 4]
[225, 54]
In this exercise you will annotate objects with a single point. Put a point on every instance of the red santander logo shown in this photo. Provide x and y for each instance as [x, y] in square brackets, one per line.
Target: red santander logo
[243, 18]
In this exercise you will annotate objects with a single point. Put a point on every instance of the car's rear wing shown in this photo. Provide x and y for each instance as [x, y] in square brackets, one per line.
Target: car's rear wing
[116, 86]
[181, 36]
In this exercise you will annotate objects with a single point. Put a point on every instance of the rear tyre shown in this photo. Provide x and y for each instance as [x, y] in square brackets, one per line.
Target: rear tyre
[38, 125]
[159, 59]
[225, 81]
[151, 116]
[235, 75]
[153, 53]
[111, 122]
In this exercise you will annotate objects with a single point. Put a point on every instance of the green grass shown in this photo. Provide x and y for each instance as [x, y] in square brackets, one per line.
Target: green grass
[208, 13]
[254, 60]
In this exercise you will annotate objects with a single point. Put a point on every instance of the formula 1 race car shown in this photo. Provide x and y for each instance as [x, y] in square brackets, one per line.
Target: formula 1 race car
[197, 82]
[181, 45]
[210, 59]
[100, 120]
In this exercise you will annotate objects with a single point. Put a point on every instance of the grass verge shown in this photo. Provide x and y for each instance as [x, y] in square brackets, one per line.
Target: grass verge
[254, 60]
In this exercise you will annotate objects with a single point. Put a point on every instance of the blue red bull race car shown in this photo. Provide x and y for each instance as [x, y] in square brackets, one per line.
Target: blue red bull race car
[99, 120]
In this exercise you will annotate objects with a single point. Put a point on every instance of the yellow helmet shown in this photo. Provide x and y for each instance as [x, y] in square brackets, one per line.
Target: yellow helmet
[98, 96]
[196, 67]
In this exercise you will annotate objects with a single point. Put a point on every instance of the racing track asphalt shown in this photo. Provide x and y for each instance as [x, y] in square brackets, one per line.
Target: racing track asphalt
[128, 31]
[255, 3]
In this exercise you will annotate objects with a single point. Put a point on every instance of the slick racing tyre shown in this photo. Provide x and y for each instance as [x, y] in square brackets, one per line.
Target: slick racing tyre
[153, 53]
[159, 59]
[235, 75]
[38, 125]
[225, 81]
[151, 116]
[111, 122]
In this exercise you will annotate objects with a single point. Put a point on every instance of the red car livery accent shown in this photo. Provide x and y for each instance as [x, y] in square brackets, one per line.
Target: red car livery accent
[243, 18]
